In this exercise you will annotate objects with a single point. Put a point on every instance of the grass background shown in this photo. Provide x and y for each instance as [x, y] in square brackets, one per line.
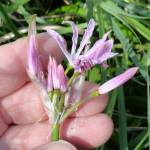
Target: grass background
[129, 21]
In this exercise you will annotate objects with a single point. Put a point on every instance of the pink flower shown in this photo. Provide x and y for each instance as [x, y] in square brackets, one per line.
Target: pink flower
[34, 66]
[56, 76]
[117, 81]
[81, 58]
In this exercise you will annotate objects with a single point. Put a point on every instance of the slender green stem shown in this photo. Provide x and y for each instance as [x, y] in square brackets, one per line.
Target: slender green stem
[68, 69]
[77, 104]
[72, 78]
[55, 132]
[61, 103]
[55, 126]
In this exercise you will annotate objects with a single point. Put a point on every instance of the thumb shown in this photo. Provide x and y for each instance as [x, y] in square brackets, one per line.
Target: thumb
[63, 145]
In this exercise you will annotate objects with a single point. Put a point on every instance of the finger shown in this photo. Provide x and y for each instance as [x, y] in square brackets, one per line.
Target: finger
[27, 103]
[13, 62]
[63, 145]
[3, 126]
[75, 130]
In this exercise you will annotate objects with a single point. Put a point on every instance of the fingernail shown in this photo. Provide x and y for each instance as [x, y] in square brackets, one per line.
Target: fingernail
[59, 145]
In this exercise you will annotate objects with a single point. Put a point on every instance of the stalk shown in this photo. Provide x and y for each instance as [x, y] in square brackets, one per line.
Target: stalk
[76, 74]
[56, 125]
[55, 132]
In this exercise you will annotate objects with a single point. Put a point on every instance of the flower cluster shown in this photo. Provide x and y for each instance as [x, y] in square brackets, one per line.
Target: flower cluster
[55, 83]
[83, 59]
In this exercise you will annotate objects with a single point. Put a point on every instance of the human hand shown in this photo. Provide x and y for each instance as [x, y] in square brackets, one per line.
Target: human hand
[23, 121]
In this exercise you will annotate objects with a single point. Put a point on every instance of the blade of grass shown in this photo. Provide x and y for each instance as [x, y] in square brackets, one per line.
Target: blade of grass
[112, 102]
[101, 30]
[144, 31]
[127, 47]
[11, 26]
[100, 17]
[89, 4]
[110, 107]
[139, 145]
[113, 8]
[148, 104]
[137, 139]
[123, 142]
[117, 14]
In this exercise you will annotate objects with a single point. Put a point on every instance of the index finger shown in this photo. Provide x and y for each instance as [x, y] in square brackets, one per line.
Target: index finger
[13, 60]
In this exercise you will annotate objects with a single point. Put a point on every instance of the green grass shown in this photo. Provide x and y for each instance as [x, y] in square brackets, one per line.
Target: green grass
[129, 23]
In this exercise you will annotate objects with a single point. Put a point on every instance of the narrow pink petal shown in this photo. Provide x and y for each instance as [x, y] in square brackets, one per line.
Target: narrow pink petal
[88, 33]
[74, 92]
[108, 45]
[97, 49]
[32, 57]
[50, 80]
[74, 37]
[105, 57]
[32, 66]
[40, 74]
[61, 42]
[62, 78]
[106, 35]
[117, 81]
[56, 83]
[78, 87]
[100, 47]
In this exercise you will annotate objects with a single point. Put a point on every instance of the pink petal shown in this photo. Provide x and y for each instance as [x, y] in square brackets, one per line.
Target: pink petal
[61, 42]
[100, 47]
[97, 48]
[88, 33]
[34, 66]
[74, 37]
[55, 78]
[117, 81]
[105, 57]
[75, 91]
[62, 78]
[50, 80]
[106, 35]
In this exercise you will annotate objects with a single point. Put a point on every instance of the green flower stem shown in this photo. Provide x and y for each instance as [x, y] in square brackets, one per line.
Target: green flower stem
[77, 104]
[55, 126]
[68, 69]
[76, 74]
[55, 132]
[61, 103]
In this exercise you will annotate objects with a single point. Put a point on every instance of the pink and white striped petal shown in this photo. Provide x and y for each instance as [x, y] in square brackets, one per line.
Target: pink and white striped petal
[62, 78]
[34, 66]
[74, 37]
[61, 42]
[55, 78]
[50, 79]
[117, 81]
[88, 33]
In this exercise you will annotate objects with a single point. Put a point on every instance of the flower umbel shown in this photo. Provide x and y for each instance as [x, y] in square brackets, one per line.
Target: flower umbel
[84, 58]
[62, 93]
[56, 76]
